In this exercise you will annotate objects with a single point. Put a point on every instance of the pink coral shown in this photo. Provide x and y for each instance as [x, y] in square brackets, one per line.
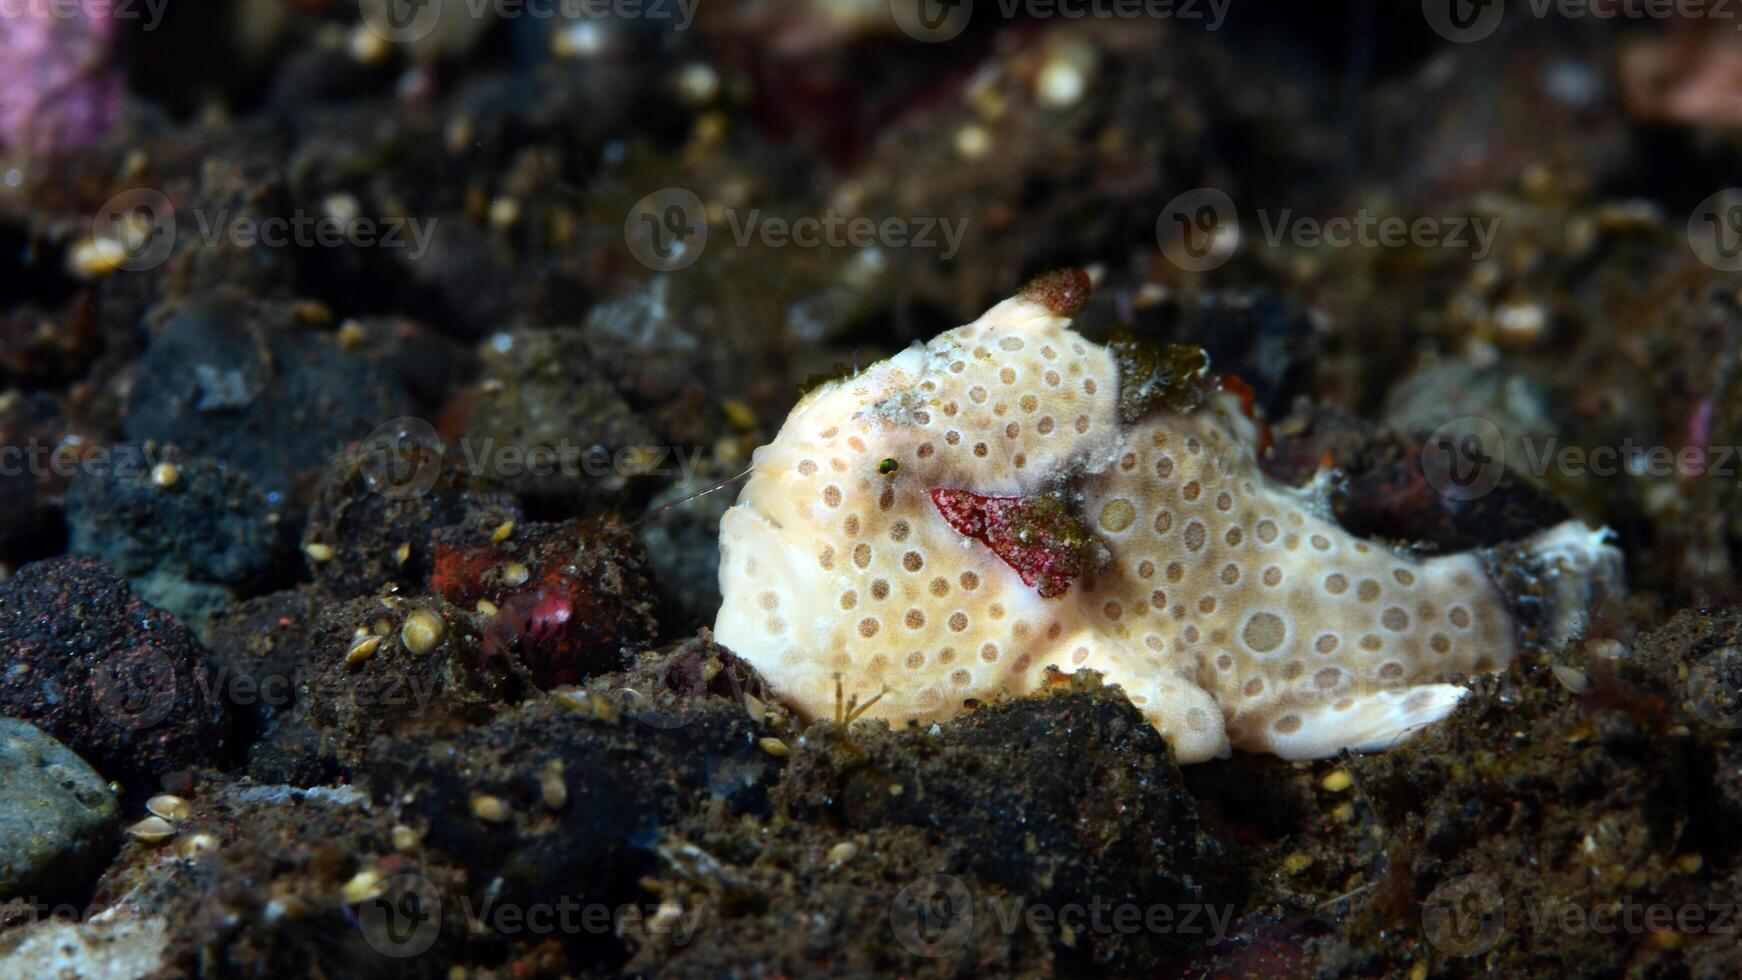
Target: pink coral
[59, 84]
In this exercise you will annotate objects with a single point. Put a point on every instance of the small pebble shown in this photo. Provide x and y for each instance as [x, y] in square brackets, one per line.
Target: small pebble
[422, 631]
[738, 414]
[405, 838]
[1572, 678]
[172, 808]
[195, 845]
[311, 312]
[490, 808]
[351, 335]
[1520, 324]
[342, 208]
[151, 830]
[362, 650]
[973, 142]
[58, 819]
[363, 886]
[699, 83]
[1064, 79]
[318, 552]
[93, 258]
[459, 134]
[665, 918]
[515, 574]
[551, 785]
[504, 213]
[368, 47]
[1338, 781]
[287, 907]
[580, 39]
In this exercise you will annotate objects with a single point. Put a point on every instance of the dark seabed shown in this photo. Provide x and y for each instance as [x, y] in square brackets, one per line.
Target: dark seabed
[375, 376]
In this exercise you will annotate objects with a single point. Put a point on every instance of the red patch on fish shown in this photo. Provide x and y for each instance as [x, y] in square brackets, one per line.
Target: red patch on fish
[1027, 532]
[1248, 407]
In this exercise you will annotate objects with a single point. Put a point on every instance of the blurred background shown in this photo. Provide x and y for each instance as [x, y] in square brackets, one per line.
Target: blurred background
[340, 270]
[446, 171]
